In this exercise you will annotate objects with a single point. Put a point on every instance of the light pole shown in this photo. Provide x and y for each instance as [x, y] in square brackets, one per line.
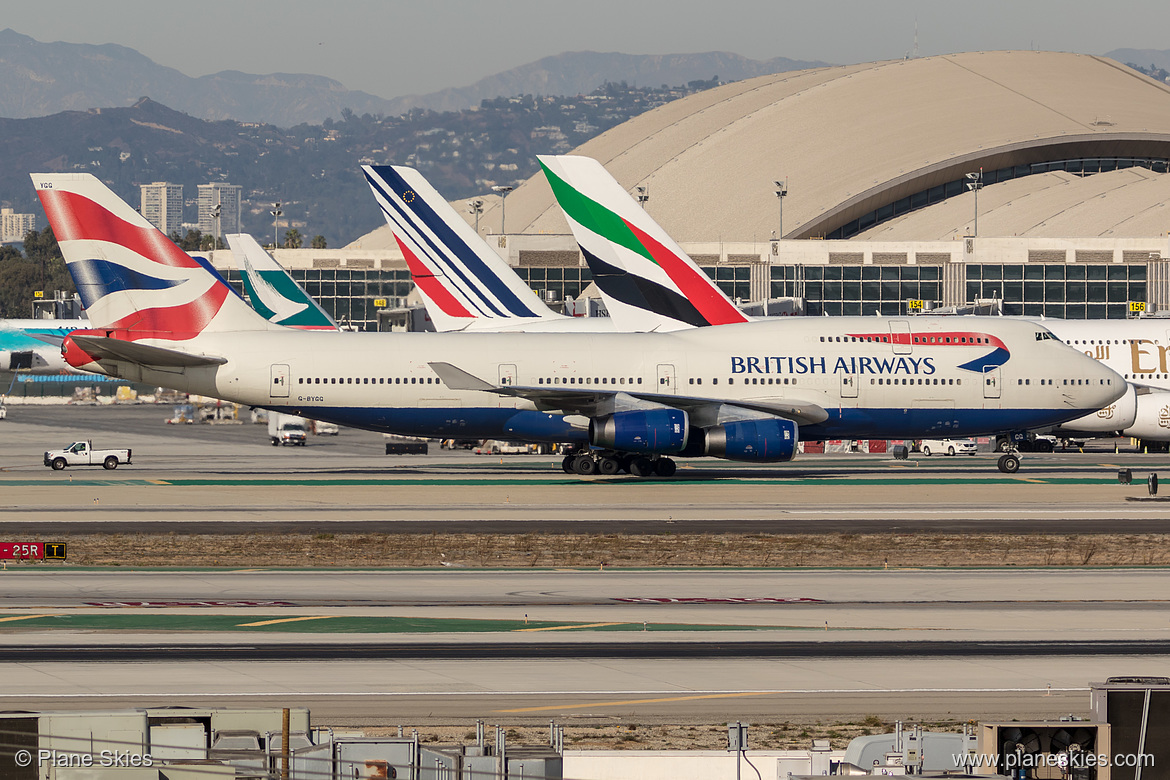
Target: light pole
[503, 189]
[215, 216]
[974, 184]
[276, 212]
[476, 208]
[781, 191]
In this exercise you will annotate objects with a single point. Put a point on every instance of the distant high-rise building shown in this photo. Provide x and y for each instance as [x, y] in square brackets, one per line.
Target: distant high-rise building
[228, 198]
[162, 205]
[13, 226]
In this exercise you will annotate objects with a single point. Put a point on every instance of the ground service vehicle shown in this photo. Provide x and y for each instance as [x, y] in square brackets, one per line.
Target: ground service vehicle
[496, 447]
[930, 447]
[325, 428]
[82, 453]
[287, 429]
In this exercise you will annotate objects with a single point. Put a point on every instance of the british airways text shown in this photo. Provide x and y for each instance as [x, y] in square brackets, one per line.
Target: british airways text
[843, 365]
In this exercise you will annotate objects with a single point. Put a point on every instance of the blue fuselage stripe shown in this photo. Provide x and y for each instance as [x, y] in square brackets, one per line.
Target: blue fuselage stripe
[511, 424]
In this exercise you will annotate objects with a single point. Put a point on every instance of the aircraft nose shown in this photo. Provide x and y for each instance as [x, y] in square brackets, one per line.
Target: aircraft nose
[1105, 385]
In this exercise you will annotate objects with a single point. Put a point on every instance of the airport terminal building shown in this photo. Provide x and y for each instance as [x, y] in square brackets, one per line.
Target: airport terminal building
[1028, 182]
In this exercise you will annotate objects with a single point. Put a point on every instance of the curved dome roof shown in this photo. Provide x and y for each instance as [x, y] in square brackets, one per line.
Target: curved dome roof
[851, 139]
[1128, 203]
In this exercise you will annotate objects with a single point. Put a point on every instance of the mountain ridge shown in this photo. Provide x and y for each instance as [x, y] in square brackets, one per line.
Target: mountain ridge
[40, 79]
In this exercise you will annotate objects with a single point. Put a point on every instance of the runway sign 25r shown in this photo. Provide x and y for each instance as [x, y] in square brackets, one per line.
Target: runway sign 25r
[32, 551]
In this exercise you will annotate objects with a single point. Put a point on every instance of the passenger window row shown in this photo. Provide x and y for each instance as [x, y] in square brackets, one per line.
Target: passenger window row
[881, 380]
[754, 380]
[349, 380]
[1065, 382]
[917, 339]
[572, 380]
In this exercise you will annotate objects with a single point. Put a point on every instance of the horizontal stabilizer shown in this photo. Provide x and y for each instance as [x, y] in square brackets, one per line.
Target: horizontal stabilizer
[104, 348]
[49, 338]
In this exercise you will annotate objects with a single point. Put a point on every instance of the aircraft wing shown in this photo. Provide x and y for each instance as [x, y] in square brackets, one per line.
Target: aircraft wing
[591, 402]
[104, 348]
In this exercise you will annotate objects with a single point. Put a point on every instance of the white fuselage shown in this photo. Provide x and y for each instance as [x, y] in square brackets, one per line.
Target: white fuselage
[869, 387]
[1137, 349]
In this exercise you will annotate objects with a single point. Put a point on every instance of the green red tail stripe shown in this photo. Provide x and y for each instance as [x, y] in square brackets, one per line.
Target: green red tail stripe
[691, 282]
[694, 284]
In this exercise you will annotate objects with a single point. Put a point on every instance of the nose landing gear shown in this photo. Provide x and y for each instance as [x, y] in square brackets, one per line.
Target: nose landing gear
[1009, 463]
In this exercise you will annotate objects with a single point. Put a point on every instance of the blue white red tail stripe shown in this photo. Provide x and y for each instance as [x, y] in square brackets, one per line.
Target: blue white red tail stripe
[407, 225]
[411, 214]
[135, 283]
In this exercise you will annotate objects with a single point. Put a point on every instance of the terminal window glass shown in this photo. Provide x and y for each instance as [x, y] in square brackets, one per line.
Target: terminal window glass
[1059, 289]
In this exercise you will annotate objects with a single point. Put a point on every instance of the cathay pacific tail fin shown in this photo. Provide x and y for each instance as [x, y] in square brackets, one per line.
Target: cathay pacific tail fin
[271, 289]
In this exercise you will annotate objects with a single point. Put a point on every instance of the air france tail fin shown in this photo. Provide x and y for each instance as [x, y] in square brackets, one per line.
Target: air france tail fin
[462, 280]
[134, 282]
[271, 289]
[647, 280]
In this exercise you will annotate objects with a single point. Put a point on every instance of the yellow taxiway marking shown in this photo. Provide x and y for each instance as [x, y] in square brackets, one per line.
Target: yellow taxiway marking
[287, 620]
[23, 617]
[643, 701]
[158, 482]
[1109, 465]
[585, 625]
[1027, 479]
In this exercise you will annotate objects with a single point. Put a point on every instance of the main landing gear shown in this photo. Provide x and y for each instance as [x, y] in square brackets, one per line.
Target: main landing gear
[610, 463]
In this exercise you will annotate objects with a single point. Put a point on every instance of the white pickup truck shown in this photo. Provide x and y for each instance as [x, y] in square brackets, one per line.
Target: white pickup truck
[82, 453]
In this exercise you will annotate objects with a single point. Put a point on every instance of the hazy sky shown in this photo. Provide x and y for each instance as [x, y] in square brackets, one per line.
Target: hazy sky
[392, 48]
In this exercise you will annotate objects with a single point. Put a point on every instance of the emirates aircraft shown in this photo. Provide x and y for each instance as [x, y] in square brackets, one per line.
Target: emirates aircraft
[746, 392]
[1137, 350]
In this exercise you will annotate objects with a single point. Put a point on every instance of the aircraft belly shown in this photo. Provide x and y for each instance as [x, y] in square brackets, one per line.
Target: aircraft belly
[446, 422]
[910, 423]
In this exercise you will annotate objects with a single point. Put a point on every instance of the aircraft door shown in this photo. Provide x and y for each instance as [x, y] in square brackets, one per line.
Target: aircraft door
[849, 385]
[666, 383]
[507, 374]
[278, 387]
[900, 338]
[991, 382]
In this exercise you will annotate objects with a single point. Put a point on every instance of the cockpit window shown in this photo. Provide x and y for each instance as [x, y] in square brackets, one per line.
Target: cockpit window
[1043, 335]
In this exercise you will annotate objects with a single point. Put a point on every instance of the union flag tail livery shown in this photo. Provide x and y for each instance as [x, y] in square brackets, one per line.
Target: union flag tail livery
[134, 282]
[272, 291]
[647, 280]
[463, 282]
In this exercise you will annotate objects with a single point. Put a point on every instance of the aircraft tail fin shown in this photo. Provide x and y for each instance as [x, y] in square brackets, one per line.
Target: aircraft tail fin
[134, 281]
[461, 278]
[647, 280]
[271, 289]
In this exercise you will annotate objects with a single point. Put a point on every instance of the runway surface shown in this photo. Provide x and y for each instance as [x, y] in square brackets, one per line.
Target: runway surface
[524, 646]
[227, 479]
